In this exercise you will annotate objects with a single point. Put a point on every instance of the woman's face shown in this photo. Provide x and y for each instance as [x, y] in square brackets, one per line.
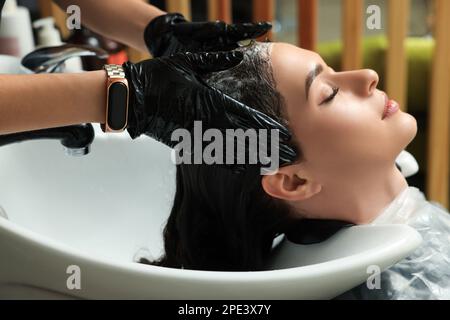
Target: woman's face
[337, 117]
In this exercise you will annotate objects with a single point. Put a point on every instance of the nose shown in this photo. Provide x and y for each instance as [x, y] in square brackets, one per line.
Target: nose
[362, 82]
[372, 80]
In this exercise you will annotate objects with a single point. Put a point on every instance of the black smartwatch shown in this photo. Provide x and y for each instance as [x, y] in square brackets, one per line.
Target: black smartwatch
[117, 93]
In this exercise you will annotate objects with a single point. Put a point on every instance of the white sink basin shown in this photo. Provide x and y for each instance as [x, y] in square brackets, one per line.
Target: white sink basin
[12, 65]
[98, 211]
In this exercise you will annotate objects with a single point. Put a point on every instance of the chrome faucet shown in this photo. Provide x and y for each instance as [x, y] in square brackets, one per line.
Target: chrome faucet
[76, 139]
[50, 59]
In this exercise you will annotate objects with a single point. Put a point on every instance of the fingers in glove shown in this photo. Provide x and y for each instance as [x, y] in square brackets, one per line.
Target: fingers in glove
[207, 62]
[203, 31]
[199, 31]
[244, 31]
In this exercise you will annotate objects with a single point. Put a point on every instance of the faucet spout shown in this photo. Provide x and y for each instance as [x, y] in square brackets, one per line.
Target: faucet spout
[76, 139]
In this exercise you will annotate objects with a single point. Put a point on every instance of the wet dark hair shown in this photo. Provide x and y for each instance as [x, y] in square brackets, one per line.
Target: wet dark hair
[222, 220]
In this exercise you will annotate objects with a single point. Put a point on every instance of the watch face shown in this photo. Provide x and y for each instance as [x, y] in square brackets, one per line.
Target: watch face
[117, 106]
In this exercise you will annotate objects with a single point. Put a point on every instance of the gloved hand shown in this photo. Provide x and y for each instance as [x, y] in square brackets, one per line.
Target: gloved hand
[172, 33]
[168, 93]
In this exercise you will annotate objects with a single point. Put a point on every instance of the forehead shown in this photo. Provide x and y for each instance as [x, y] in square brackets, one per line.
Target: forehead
[291, 66]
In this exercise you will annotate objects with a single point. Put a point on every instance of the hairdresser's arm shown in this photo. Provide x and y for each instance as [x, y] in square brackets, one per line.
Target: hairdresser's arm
[31, 102]
[120, 20]
[143, 26]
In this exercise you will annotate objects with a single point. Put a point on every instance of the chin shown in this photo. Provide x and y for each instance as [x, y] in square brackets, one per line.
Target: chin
[407, 128]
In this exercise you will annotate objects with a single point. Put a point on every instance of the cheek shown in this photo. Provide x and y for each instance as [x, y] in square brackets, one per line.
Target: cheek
[346, 134]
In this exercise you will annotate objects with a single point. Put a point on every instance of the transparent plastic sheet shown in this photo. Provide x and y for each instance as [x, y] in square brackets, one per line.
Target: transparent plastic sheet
[425, 274]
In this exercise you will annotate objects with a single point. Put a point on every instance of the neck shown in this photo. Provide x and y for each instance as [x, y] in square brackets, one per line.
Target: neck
[357, 198]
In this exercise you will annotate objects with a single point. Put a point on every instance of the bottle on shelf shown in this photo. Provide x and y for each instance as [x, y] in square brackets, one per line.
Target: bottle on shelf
[16, 34]
[49, 36]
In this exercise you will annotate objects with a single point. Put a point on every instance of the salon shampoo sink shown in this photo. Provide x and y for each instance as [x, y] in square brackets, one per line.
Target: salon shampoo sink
[75, 225]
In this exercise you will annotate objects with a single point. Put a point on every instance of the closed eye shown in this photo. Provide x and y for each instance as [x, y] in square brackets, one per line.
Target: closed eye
[331, 97]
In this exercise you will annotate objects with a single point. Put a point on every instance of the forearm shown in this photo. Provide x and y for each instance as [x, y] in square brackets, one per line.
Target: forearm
[32, 102]
[120, 20]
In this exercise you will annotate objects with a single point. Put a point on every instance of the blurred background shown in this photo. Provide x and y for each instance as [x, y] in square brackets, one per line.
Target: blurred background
[329, 19]
[410, 51]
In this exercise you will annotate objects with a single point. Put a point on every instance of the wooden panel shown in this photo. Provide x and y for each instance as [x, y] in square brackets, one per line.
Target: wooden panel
[307, 24]
[439, 115]
[180, 6]
[264, 10]
[352, 29]
[396, 64]
[220, 10]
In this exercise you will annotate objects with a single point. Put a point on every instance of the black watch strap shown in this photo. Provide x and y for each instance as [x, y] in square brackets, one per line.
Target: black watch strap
[116, 100]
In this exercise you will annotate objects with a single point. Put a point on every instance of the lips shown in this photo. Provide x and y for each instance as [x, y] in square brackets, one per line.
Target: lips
[390, 107]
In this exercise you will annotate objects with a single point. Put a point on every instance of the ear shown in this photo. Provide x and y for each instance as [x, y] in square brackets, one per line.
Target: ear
[292, 183]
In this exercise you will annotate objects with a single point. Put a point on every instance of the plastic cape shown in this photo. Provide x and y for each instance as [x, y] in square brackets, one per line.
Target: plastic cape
[425, 274]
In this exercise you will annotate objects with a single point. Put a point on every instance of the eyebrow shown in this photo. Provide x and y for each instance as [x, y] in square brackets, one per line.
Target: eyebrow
[311, 76]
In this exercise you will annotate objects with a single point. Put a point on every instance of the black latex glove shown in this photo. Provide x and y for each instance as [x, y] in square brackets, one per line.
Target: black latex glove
[168, 93]
[172, 33]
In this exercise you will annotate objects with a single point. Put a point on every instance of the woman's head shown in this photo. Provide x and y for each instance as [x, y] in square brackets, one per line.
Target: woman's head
[227, 221]
[337, 117]
[337, 121]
